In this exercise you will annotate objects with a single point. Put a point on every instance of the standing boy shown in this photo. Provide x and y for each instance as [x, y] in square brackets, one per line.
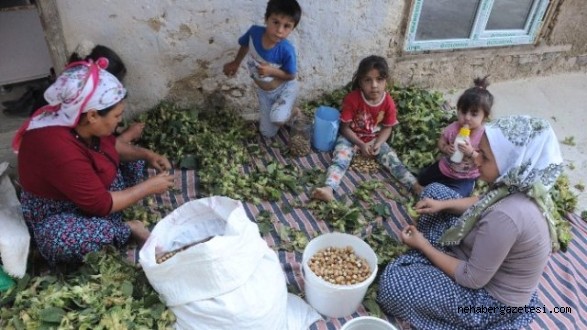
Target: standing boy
[271, 61]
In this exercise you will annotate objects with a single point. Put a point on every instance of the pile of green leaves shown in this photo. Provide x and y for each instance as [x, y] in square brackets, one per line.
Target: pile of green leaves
[222, 147]
[105, 293]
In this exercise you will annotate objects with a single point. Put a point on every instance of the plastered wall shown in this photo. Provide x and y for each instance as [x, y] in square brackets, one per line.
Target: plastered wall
[175, 49]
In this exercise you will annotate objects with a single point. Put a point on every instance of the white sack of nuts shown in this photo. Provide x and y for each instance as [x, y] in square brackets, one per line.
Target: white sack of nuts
[212, 268]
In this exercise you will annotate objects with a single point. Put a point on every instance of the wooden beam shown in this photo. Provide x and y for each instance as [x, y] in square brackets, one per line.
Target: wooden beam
[51, 22]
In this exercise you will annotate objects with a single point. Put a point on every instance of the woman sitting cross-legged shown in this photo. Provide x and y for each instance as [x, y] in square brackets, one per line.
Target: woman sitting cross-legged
[491, 258]
[73, 191]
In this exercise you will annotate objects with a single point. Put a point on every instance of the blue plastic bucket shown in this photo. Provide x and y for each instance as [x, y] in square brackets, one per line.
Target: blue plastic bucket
[325, 128]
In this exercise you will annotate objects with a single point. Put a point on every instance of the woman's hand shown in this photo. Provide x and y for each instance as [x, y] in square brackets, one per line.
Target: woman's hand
[413, 238]
[158, 162]
[160, 183]
[428, 206]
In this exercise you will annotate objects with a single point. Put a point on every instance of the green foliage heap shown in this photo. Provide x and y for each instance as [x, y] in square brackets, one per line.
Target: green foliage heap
[105, 293]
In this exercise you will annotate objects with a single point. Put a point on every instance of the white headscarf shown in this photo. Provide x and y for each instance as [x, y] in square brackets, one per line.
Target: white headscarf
[82, 87]
[528, 159]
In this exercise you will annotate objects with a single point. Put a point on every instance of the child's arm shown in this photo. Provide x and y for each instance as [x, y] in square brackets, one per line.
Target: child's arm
[350, 135]
[383, 135]
[231, 68]
[266, 70]
[445, 147]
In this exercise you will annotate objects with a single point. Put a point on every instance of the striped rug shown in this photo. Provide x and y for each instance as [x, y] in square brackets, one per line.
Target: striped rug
[563, 285]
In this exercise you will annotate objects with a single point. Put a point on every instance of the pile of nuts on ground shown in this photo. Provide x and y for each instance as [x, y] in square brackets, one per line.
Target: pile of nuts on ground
[339, 266]
[299, 145]
[364, 164]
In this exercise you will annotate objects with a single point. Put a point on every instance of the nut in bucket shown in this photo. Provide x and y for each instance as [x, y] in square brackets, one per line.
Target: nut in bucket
[338, 300]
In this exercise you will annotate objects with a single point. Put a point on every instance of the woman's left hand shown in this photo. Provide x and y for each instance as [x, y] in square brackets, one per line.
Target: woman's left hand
[158, 162]
[412, 237]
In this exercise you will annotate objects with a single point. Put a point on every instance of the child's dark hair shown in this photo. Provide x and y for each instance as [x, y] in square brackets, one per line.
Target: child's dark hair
[289, 8]
[115, 64]
[367, 64]
[477, 97]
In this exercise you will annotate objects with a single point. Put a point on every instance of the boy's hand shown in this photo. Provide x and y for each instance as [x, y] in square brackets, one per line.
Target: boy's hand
[230, 68]
[265, 70]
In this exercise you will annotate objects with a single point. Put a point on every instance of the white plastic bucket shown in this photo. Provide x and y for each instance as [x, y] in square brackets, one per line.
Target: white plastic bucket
[330, 299]
[368, 323]
[326, 121]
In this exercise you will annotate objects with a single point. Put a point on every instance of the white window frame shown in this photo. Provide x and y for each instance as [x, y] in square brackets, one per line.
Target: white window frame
[479, 36]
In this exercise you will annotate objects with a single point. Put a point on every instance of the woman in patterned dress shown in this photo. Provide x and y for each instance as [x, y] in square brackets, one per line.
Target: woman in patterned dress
[68, 162]
[481, 270]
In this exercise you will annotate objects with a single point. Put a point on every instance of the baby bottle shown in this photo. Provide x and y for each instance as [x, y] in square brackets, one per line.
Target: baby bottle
[463, 137]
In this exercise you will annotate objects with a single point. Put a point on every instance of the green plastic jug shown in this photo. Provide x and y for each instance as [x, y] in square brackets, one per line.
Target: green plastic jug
[6, 282]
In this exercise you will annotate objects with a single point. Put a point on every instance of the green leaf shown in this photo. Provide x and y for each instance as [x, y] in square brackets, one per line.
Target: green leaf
[51, 315]
[127, 288]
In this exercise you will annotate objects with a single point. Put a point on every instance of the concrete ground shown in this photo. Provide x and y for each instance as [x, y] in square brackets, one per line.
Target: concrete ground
[562, 99]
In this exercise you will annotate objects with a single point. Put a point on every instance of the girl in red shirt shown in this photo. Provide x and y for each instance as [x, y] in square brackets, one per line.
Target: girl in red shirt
[367, 117]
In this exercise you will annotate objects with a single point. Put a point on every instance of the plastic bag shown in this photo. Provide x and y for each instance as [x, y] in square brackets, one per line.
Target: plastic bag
[14, 236]
[231, 280]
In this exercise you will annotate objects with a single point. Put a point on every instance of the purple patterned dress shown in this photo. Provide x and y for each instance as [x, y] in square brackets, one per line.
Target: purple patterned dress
[64, 234]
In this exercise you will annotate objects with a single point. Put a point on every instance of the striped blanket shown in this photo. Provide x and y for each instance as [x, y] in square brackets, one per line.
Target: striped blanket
[563, 287]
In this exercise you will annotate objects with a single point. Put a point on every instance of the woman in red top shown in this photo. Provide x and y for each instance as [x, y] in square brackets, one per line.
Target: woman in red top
[68, 160]
[368, 115]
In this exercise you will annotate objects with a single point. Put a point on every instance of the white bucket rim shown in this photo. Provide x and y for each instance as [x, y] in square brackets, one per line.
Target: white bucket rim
[356, 320]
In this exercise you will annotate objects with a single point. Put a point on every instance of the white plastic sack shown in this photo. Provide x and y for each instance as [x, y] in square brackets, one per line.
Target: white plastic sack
[14, 235]
[232, 281]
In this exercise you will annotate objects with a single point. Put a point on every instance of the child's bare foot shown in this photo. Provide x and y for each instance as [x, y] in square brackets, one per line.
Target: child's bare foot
[323, 193]
[132, 133]
[138, 232]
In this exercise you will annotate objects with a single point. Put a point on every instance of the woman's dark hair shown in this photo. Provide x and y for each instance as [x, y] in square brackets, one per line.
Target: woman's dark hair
[289, 8]
[115, 64]
[367, 64]
[476, 98]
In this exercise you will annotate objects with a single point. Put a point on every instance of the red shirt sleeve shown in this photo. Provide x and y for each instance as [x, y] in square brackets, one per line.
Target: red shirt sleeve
[349, 105]
[54, 164]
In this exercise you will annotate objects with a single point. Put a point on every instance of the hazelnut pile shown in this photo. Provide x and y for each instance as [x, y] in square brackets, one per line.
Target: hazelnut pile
[339, 266]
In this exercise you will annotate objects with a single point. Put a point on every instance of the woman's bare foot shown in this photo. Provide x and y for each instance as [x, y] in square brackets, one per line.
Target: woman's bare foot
[323, 193]
[138, 232]
[132, 133]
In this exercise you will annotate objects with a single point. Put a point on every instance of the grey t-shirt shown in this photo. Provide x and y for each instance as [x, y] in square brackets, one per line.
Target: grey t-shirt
[506, 251]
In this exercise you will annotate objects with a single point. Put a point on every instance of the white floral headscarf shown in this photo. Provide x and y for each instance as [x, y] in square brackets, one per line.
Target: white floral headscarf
[82, 87]
[528, 159]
